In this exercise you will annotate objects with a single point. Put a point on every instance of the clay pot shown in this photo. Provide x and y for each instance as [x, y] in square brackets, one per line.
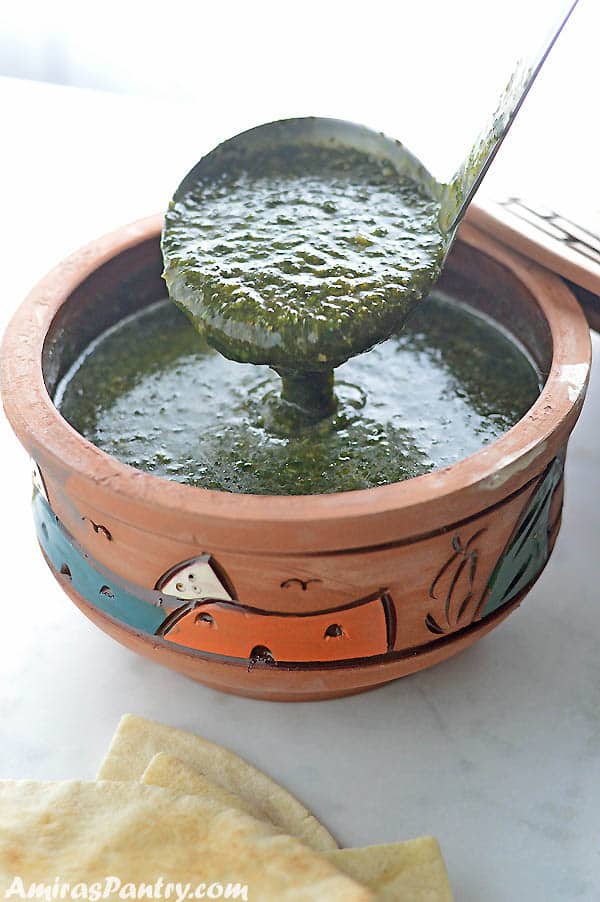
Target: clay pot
[303, 597]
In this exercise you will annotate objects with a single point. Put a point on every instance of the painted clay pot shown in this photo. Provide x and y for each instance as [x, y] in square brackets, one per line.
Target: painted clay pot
[305, 597]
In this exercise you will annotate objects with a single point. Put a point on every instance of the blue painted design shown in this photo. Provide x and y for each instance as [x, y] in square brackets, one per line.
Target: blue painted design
[101, 588]
[528, 551]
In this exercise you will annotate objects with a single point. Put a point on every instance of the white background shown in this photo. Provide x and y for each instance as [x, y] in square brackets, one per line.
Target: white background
[426, 72]
[495, 752]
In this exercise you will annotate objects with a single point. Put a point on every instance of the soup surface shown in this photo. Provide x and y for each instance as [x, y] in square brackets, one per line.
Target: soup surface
[152, 393]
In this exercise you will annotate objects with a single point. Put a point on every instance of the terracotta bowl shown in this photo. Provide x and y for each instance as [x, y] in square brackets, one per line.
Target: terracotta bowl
[303, 597]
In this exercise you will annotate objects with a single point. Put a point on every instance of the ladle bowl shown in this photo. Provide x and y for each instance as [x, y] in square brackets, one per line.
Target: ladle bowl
[285, 322]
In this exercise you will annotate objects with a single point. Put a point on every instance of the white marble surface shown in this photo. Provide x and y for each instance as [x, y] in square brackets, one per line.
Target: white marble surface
[496, 752]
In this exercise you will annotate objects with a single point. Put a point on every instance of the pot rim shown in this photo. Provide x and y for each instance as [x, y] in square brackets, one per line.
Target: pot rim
[40, 426]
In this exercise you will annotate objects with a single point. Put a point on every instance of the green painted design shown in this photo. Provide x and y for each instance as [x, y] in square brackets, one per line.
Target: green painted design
[99, 587]
[528, 551]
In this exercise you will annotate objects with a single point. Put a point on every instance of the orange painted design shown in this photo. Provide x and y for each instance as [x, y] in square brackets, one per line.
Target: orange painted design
[357, 631]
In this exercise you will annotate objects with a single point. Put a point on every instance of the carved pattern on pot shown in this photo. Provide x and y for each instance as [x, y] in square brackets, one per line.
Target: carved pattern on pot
[303, 583]
[195, 608]
[459, 572]
[356, 631]
[359, 630]
[130, 604]
[521, 562]
[99, 529]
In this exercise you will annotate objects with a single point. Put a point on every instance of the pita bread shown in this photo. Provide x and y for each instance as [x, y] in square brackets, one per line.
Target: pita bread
[173, 773]
[137, 740]
[85, 832]
[413, 871]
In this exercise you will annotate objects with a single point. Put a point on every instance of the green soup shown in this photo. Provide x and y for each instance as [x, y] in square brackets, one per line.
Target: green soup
[152, 393]
[301, 257]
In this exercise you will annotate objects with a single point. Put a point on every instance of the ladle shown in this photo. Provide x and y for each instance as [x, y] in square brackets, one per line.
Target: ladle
[308, 384]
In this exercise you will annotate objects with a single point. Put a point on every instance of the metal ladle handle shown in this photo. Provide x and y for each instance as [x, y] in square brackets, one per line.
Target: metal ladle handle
[459, 193]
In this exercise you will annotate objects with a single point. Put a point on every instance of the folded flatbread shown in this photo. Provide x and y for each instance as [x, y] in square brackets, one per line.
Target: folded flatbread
[412, 871]
[86, 832]
[137, 740]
